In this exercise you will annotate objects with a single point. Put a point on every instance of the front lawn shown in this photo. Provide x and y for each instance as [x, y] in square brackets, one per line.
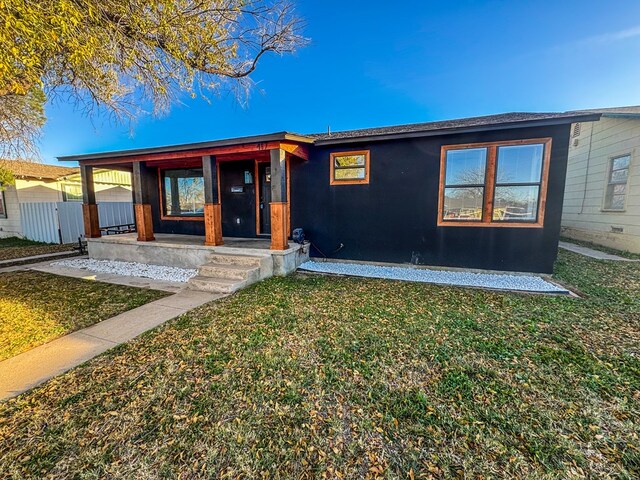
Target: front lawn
[314, 377]
[14, 247]
[36, 307]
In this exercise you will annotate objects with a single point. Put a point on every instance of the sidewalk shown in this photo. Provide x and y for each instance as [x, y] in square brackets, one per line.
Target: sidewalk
[29, 369]
[590, 252]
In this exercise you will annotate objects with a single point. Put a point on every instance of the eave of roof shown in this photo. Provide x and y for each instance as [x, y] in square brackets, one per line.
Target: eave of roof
[447, 127]
[631, 111]
[470, 125]
[271, 137]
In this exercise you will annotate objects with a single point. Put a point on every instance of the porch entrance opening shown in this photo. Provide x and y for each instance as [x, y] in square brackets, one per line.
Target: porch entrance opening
[264, 184]
[238, 198]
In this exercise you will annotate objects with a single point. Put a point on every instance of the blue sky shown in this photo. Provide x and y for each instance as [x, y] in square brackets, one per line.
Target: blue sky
[373, 63]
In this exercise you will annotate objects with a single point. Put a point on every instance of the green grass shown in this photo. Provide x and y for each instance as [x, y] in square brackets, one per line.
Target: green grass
[13, 248]
[314, 377]
[18, 242]
[37, 307]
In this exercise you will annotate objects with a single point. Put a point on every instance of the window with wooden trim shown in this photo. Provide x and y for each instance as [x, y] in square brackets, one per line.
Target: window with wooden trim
[3, 206]
[182, 192]
[616, 190]
[494, 184]
[349, 168]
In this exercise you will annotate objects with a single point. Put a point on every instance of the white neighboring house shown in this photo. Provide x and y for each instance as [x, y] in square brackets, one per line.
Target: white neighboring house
[38, 182]
[602, 194]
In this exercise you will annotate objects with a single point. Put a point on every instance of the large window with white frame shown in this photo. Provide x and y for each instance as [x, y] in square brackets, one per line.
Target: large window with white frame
[494, 184]
[616, 189]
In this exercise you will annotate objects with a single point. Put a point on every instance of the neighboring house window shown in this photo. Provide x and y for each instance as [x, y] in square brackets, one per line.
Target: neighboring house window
[617, 183]
[71, 193]
[349, 168]
[3, 206]
[182, 192]
[494, 184]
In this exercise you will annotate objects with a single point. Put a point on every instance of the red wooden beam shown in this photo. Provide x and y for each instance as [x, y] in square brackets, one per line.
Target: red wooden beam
[233, 152]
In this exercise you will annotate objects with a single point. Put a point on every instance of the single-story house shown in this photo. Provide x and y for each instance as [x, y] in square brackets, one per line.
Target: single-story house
[38, 182]
[482, 193]
[602, 194]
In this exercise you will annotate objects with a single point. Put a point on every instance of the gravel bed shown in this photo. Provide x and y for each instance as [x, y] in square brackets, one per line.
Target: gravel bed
[525, 283]
[131, 269]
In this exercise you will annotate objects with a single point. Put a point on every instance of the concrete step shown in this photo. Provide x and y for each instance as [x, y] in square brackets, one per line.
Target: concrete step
[230, 271]
[216, 285]
[233, 259]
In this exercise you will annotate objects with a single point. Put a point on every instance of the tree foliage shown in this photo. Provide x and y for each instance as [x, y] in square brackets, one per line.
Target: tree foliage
[6, 178]
[128, 56]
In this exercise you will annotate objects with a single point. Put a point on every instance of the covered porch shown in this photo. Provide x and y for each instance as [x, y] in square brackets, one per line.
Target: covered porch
[191, 251]
[204, 195]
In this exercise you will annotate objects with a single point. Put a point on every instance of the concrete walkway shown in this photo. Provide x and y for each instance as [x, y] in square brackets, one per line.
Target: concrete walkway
[590, 252]
[23, 372]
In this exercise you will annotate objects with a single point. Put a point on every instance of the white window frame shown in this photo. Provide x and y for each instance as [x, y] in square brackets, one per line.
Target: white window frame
[607, 181]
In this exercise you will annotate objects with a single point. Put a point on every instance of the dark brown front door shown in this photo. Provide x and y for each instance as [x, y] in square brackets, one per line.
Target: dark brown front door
[238, 198]
[264, 171]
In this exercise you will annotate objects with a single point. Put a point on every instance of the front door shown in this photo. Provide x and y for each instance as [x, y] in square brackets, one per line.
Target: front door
[264, 171]
[238, 198]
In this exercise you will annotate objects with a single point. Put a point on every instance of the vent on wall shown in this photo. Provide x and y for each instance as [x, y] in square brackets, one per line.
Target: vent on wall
[576, 130]
[617, 229]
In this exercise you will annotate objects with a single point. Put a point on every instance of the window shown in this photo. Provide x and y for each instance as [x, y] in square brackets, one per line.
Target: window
[3, 206]
[183, 192]
[494, 184]
[71, 193]
[464, 184]
[349, 168]
[617, 183]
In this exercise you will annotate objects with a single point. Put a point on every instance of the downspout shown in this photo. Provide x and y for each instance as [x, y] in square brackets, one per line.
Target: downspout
[586, 175]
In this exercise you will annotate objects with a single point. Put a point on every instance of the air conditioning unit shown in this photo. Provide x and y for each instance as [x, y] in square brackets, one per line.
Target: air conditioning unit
[576, 142]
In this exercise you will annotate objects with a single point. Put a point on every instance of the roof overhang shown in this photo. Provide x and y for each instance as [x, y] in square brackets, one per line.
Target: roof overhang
[591, 117]
[294, 144]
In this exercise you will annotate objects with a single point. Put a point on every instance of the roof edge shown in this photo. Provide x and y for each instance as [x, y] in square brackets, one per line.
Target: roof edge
[591, 117]
[185, 147]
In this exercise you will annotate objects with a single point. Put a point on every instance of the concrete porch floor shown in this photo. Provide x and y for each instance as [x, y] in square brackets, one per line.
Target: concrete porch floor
[189, 240]
[189, 251]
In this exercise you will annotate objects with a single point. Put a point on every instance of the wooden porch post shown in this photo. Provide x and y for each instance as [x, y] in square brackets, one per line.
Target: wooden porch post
[89, 207]
[279, 201]
[212, 209]
[144, 221]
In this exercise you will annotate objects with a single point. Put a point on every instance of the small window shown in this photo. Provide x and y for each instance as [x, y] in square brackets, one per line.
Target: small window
[349, 168]
[494, 184]
[617, 183]
[71, 193]
[3, 206]
[183, 192]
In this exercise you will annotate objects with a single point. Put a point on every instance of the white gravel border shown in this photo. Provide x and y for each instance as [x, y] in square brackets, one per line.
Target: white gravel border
[131, 269]
[524, 283]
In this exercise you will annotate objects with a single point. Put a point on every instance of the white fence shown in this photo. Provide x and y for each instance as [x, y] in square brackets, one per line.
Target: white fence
[55, 222]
